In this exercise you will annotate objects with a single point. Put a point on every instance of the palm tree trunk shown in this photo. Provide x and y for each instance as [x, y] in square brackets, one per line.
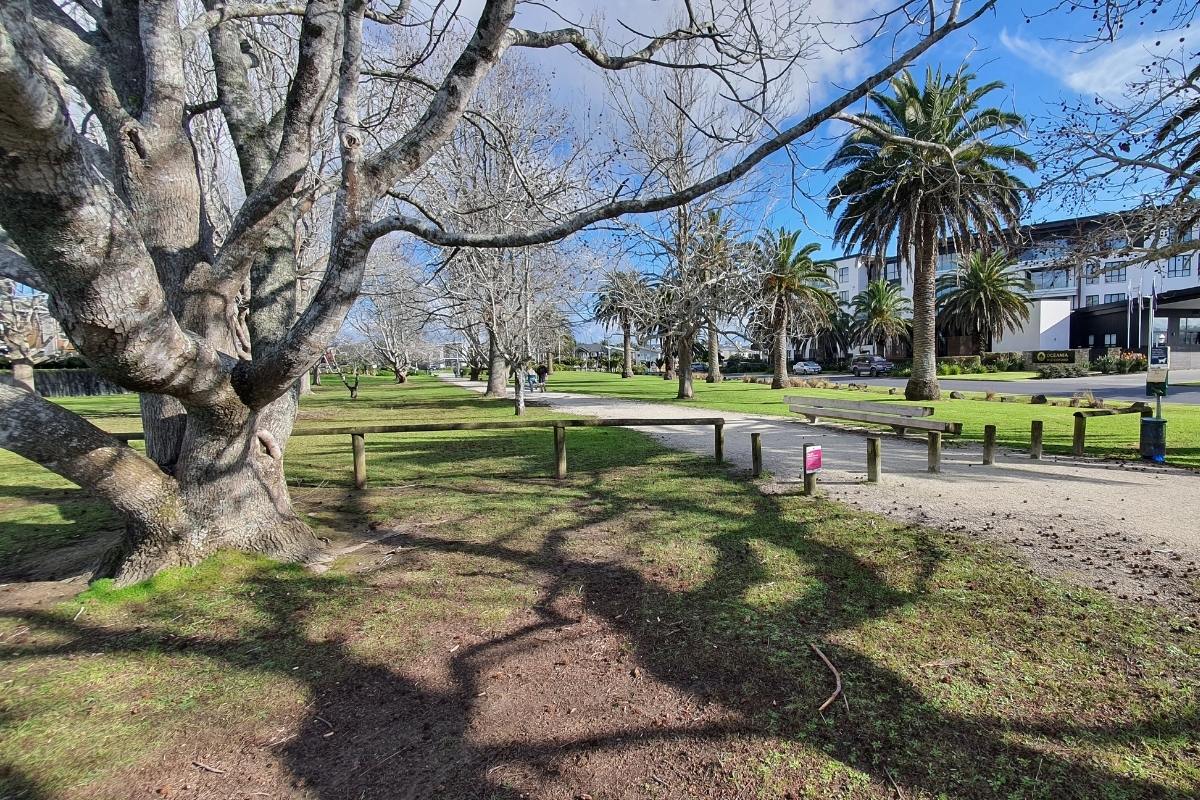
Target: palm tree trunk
[626, 349]
[923, 385]
[779, 380]
[714, 355]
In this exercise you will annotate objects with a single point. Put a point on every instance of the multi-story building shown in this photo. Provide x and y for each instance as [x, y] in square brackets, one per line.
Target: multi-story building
[1092, 288]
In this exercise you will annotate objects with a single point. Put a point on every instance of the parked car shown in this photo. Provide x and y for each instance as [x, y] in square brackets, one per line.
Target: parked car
[870, 365]
[806, 368]
[699, 366]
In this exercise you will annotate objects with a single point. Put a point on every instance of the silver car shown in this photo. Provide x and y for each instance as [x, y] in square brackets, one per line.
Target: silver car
[806, 368]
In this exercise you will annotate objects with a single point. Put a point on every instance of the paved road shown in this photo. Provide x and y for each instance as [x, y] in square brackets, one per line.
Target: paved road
[1120, 527]
[1110, 387]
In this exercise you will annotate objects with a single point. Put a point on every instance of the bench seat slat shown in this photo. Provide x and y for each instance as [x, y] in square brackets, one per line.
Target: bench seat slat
[880, 419]
[871, 406]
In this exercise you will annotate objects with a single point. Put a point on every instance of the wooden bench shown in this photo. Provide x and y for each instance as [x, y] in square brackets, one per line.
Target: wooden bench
[900, 418]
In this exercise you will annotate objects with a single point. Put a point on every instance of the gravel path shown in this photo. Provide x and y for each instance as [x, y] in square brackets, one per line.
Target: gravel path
[1130, 529]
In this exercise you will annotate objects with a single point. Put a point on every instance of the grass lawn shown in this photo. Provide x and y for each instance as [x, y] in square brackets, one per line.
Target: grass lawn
[1115, 436]
[640, 629]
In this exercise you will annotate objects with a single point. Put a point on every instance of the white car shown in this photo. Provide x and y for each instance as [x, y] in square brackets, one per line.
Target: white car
[806, 368]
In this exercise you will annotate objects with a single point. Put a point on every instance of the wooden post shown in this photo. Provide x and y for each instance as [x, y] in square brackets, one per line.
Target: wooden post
[935, 451]
[810, 478]
[1079, 435]
[358, 442]
[756, 454]
[560, 451]
[989, 444]
[874, 459]
[719, 441]
[1035, 439]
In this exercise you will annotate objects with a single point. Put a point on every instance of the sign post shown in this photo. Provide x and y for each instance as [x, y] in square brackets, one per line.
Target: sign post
[1153, 442]
[812, 465]
[1158, 368]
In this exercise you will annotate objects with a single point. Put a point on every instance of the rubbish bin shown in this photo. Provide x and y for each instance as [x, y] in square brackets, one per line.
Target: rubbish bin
[1154, 439]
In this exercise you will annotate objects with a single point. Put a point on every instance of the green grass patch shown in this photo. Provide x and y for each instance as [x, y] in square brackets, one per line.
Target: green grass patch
[1115, 436]
[966, 675]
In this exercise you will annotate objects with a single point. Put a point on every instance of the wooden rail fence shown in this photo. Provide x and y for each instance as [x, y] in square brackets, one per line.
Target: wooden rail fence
[358, 434]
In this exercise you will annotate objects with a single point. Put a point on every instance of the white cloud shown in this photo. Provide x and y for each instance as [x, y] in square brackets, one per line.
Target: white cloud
[1107, 70]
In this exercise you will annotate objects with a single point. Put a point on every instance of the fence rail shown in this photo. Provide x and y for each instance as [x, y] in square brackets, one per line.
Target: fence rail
[358, 434]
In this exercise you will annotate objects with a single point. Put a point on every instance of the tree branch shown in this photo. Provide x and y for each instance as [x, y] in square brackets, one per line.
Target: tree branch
[618, 208]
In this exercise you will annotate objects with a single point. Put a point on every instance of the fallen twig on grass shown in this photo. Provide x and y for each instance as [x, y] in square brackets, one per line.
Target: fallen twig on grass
[207, 768]
[837, 677]
[895, 785]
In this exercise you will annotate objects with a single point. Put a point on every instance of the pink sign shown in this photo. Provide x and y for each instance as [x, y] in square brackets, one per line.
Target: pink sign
[812, 459]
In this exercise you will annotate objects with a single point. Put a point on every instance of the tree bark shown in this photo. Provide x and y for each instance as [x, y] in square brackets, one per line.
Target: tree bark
[626, 349]
[668, 352]
[714, 355]
[686, 389]
[22, 373]
[779, 378]
[518, 391]
[923, 385]
[316, 375]
[497, 385]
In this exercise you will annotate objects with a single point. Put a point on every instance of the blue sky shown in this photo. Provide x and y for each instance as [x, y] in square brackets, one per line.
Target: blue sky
[1040, 68]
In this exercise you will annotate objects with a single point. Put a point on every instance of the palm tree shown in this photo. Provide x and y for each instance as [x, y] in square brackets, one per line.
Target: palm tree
[923, 169]
[617, 303]
[793, 287]
[881, 315]
[984, 297]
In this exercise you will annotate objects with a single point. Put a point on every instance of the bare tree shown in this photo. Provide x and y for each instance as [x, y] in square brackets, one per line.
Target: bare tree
[111, 213]
[392, 316]
[28, 334]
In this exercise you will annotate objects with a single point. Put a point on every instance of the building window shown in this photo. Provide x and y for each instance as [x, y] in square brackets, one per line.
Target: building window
[1091, 279]
[891, 272]
[844, 296]
[1114, 274]
[843, 274]
[1092, 300]
[1116, 243]
[1051, 279]
[1179, 266]
[947, 262]
[1091, 340]
[1115, 298]
[1110, 340]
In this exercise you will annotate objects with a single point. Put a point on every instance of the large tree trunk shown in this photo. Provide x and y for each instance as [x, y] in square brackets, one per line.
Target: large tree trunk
[22, 374]
[923, 385]
[227, 491]
[714, 355]
[779, 379]
[668, 352]
[497, 385]
[231, 494]
[316, 375]
[626, 350]
[686, 390]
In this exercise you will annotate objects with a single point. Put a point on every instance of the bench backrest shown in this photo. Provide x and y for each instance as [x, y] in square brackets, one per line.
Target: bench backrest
[874, 406]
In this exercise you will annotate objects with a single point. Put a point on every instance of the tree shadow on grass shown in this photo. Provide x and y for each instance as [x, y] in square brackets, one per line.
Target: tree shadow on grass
[374, 731]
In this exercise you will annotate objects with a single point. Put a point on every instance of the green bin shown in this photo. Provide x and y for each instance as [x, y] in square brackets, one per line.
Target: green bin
[1154, 439]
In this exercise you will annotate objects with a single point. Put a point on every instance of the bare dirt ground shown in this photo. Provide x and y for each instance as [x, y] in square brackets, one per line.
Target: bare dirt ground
[1129, 529]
